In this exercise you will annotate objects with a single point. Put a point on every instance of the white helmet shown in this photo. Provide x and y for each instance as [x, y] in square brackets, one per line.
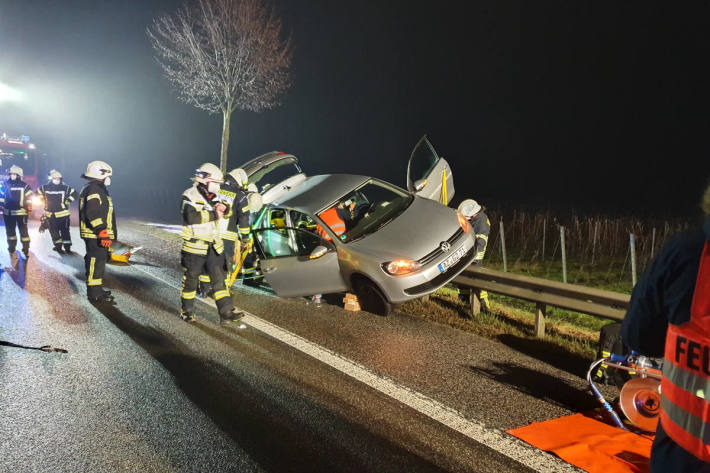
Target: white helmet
[240, 176]
[16, 170]
[469, 207]
[97, 170]
[54, 174]
[255, 201]
[251, 187]
[207, 173]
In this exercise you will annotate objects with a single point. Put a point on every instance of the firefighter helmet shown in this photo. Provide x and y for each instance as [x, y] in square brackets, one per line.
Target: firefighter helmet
[207, 173]
[14, 169]
[54, 174]
[239, 176]
[255, 201]
[97, 170]
[469, 208]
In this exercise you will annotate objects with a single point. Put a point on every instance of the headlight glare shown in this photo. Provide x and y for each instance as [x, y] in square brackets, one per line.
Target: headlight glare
[399, 267]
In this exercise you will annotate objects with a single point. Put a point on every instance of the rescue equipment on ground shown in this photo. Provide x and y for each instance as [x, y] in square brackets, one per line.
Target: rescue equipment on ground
[351, 302]
[44, 348]
[121, 252]
[639, 398]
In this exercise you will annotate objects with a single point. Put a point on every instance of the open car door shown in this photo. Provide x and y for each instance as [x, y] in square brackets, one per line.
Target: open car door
[296, 262]
[427, 172]
[274, 174]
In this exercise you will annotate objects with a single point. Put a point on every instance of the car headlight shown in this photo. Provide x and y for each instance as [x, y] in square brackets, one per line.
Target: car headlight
[399, 267]
[37, 200]
[465, 226]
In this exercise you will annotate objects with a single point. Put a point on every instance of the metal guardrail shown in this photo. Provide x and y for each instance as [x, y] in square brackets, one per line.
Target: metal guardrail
[598, 302]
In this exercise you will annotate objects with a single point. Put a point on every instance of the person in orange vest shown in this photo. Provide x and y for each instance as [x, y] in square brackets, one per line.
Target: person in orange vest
[669, 316]
[332, 217]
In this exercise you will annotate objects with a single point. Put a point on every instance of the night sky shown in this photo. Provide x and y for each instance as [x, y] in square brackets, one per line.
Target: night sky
[592, 106]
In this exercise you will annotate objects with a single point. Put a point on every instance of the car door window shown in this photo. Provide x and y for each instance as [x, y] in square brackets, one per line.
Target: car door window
[422, 161]
[284, 242]
[302, 221]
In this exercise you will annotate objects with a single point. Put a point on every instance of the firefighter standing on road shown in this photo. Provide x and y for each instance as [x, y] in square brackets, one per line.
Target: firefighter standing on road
[234, 227]
[669, 315]
[481, 226]
[97, 223]
[57, 198]
[16, 203]
[202, 247]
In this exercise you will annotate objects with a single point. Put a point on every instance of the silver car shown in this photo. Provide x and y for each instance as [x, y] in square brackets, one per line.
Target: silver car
[340, 232]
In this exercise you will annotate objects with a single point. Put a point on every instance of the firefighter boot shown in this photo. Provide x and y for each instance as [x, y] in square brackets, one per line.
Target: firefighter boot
[233, 317]
[187, 316]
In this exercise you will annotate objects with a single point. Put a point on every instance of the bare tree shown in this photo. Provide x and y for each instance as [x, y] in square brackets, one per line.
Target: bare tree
[223, 55]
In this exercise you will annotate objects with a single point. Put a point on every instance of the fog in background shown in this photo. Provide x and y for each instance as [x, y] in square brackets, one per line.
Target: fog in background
[561, 105]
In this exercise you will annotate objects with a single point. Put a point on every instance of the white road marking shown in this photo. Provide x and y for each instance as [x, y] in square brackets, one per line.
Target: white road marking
[494, 439]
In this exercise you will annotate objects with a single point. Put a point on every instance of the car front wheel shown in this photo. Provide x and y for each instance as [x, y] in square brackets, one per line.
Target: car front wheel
[371, 298]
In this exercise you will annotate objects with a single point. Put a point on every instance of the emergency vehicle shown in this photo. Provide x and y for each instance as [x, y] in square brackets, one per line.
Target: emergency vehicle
[22, 152]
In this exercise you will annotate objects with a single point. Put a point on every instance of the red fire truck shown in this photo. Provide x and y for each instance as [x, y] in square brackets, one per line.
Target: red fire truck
[20, 151]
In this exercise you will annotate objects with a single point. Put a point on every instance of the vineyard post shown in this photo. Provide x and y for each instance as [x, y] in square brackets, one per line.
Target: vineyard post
[653, 241]
[564, 255]
[594, 240]
[632, 242]
[502, 246]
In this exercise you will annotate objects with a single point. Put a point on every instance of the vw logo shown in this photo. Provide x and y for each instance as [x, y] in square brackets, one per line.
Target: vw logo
[445, 246]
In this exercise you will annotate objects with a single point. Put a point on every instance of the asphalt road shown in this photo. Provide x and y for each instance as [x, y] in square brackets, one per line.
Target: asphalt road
[303, 388]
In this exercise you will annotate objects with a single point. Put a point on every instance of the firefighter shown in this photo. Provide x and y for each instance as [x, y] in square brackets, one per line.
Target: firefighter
[97, 227]
[57, 197]
[202, 247]
[16, 202]
[234, 227]
[668, 316]
[481, 226]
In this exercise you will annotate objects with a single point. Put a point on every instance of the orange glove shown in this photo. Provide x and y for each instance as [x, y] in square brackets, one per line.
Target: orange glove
[104, 239]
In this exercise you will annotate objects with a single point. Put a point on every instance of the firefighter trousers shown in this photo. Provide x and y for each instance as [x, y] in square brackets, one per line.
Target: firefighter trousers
[19, 221]
[95, 265]
[192, 267]
[59, 231]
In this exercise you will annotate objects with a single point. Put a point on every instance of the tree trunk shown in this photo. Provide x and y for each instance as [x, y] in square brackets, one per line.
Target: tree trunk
[227, 116]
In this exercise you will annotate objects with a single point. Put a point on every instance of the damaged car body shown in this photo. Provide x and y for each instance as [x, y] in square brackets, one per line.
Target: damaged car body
[348, 233]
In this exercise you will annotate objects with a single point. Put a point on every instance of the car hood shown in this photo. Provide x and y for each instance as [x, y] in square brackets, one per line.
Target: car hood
[415, 233]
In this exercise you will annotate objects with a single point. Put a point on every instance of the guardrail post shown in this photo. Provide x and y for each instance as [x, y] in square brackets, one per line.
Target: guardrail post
[540, 320]
[475, 301]
[632, 243]
[502, 245]
[564, 254]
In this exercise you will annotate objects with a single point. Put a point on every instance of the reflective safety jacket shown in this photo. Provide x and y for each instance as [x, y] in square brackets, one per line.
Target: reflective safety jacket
[235, 224]
[665, 318]
[331, 218]
[199, 224]
[685, 388]
[15, 198]
[96, 211]
[481, 228]
[57, 198]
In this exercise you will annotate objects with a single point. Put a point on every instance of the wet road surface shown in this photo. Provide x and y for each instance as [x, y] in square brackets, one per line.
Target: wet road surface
[303, 388]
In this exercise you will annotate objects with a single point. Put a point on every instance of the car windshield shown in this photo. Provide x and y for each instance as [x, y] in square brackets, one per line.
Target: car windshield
[365, 210]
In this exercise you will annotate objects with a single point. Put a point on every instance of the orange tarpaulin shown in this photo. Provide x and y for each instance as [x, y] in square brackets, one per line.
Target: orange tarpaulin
[589, 444]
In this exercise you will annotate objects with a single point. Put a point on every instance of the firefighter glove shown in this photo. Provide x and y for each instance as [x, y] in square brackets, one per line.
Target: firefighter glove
[104, 239]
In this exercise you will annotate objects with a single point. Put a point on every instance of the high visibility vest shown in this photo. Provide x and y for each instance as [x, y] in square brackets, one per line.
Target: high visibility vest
[685, 387]
[331, 218]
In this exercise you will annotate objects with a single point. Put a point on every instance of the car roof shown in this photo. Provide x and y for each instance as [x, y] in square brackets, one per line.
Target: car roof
[316, 192]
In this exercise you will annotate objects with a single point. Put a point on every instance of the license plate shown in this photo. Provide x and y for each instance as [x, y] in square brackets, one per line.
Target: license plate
[452, 259]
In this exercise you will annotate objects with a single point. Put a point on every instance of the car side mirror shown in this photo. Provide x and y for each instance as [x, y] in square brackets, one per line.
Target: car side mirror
[419, 184]
[317, 252]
